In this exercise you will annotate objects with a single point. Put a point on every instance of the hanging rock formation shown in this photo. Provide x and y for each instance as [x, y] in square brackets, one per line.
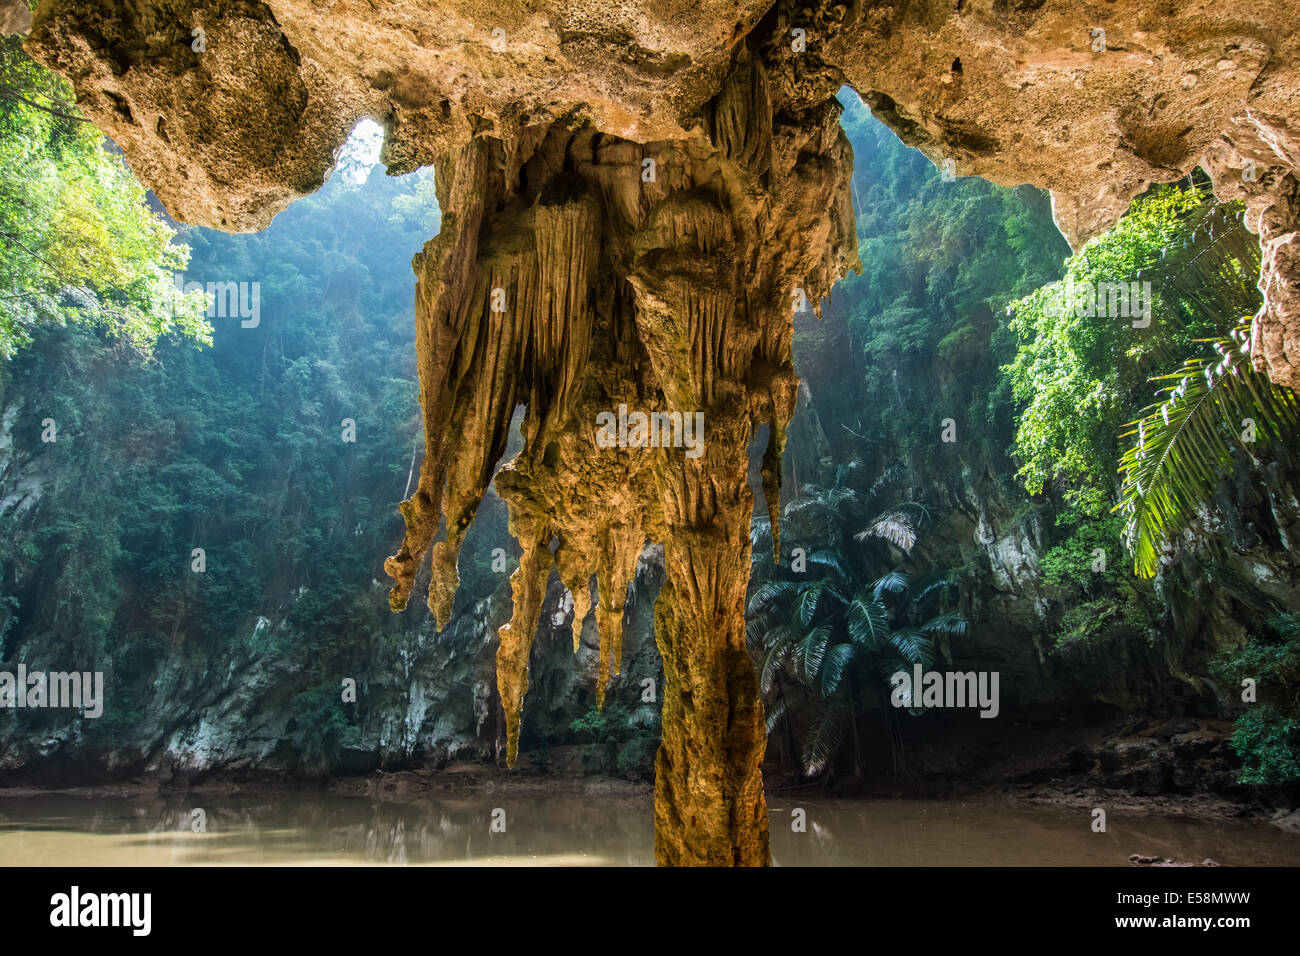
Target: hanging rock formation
[566, 280]
[584, 275]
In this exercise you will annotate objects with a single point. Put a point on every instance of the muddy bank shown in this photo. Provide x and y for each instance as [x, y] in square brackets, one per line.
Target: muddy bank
[1176, 768]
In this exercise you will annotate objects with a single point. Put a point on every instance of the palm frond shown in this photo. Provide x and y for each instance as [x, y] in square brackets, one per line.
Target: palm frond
[949, 625]
[868, 623]
[913, 645]
[775, 714]
[812, 651]
[784, 641]
[835, 665]
[812, 519]
[895, 474]
[1182, 447]
[813, 597]
[895, 581]
[925, 587]
[820, 748]
[896, 527]
[832, 561]
[765, 594]
[1214, 268]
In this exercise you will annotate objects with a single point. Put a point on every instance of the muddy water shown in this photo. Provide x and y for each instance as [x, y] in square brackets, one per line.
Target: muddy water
[596, 830]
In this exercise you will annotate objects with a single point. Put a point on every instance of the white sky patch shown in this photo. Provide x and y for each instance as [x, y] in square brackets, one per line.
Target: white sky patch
[360, 154]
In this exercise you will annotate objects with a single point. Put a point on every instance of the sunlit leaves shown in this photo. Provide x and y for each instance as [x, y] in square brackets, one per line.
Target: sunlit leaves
[1079, 377]
[1180, 450]
[78, 242]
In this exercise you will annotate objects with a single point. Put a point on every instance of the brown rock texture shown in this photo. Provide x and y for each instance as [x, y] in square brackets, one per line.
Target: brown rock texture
[1092, 100]
[582, 274]
[566, 281]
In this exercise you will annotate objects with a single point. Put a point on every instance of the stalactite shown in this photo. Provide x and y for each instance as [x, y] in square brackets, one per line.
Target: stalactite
[662, 294]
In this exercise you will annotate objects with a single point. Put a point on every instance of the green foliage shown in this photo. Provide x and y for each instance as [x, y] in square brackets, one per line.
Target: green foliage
[636, 758]
[1080, 376]
[1184, 443]
[322, 725]
[1273, 663]
[620, 739]
[78, 244]
[846, 622]
[1083, 569]
[235, 449]
[940, 261]
[1267, 735]
[603, 726]
[1267, 739]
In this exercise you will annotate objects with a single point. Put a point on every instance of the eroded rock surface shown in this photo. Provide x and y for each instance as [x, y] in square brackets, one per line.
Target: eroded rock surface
[670, 294]
[581, 274]
[1093, 101]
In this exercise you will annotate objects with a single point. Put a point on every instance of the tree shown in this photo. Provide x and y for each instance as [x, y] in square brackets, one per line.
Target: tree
[78, 243]
[1078, 374]
[1082, 372]
[835, 626]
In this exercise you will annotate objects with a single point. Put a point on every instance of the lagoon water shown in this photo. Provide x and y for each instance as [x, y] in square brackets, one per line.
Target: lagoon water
[318, 829]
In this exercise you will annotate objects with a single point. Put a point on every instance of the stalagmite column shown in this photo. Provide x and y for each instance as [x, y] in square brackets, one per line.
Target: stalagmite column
[637, 299]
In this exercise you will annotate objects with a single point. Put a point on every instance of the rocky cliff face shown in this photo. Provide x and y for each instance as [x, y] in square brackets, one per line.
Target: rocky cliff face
[231, 108]
[566, 280]
[425, 699]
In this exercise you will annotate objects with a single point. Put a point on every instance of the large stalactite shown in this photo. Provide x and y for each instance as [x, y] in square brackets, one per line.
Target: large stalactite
[567, 281]
[579, 274]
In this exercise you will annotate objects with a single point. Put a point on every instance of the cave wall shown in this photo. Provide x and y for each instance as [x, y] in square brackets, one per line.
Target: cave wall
[1093, 101]
[669, 293]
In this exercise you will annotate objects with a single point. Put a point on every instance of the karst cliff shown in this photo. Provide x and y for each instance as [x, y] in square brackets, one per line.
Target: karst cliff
[635, 198]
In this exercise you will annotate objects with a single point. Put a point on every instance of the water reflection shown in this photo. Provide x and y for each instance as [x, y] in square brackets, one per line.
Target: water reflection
[293, 828]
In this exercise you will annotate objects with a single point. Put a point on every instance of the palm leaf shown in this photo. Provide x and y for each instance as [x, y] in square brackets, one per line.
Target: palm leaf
[820, 749]
[775, 714]
[765, 594]
[895, 581]
[785, 640]
[913, 645]
[949, 625]
[834, 666]
[812, 598]
[1212, 272]
[831, 560]
[812, 651]
[868, 623]
[896, 527]
[923, 589]
[1182, 447]
[813, 519]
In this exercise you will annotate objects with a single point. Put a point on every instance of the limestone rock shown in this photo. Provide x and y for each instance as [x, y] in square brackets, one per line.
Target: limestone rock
[1092, 102]
[565, 281]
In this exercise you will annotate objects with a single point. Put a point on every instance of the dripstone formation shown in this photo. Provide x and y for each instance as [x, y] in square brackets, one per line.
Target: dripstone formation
[635, 196]
[578, 272]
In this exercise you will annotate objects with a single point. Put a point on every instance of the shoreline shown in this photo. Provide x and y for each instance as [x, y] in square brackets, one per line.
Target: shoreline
[404, 786]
